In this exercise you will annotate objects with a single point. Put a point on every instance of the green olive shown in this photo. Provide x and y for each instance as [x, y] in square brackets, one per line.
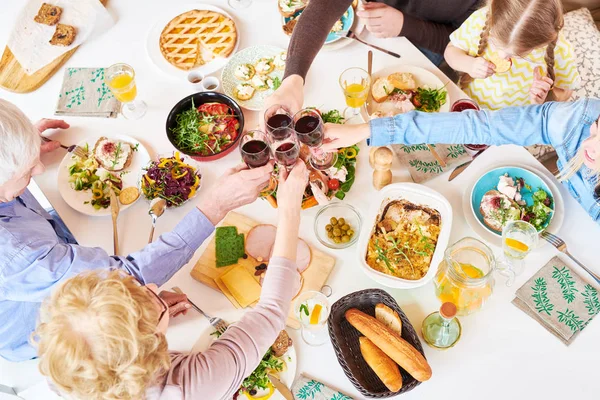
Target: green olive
[330, 235]
[337, 232]
[333, 221]
[337, 239]
[341, 221]
[346, 227]
[345, 239]
[329, 227]
[350, 232]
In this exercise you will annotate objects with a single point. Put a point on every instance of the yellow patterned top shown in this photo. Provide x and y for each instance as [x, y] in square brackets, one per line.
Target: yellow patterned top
[512, 88]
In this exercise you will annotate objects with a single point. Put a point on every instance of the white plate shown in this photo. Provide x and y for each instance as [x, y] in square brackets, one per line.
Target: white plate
[417, 194]
[76, 199]
[153, 48]
[486, 235]
[423, 78]
[250, 55]
[206, 339]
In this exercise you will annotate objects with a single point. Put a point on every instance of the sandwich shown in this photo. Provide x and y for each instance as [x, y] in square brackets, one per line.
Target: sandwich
[113, 155]
[289, 8]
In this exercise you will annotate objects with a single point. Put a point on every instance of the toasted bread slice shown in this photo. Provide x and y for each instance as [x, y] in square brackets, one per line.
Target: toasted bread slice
[403, 81]
[389, 318]
[48, 14]
[497, 209]
[113, 155]
[244, 91]
[244, 72]
[381, 89]
[64, 35]
[288, 8]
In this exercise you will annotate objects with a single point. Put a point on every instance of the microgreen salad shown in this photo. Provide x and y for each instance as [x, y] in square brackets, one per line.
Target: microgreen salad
[172, 179]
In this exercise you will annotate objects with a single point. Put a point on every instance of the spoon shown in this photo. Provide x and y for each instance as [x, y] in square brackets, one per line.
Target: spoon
[157, 208]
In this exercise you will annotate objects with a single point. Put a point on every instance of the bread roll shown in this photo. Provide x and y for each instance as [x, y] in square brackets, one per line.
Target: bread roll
[385, 368]
[381, 89]
[389, 317]
[391, 344]
[403, 81]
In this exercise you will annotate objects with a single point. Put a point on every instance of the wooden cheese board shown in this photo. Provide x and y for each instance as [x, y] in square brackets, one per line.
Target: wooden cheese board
[14, 78]
[206, 272]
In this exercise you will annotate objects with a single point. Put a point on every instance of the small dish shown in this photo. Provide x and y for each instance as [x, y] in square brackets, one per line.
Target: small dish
[337, 210]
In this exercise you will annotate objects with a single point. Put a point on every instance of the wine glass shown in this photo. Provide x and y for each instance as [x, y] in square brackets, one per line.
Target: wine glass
[237, 4]
[356, 83]
[309, 130]
[254, 148]
[285, 150]
[518, 239]
[120, 79]
[278, 121]
[312, 309]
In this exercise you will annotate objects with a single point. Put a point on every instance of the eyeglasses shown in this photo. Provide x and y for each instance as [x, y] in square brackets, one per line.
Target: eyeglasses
[165, 308]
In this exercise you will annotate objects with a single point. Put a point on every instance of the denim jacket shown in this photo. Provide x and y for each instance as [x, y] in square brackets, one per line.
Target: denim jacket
[564, 125]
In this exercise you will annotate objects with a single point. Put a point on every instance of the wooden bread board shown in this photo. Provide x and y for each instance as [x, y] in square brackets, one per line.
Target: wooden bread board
[205, 270]
[15, 79]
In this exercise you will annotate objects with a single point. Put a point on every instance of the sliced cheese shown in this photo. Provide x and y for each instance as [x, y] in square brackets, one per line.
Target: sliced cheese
[242, 285]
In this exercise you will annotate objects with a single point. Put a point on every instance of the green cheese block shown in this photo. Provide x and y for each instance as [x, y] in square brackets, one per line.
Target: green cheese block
[229, 246]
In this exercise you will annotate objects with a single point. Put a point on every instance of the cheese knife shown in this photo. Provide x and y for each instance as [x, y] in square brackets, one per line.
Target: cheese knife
[461, 168]
[281, 388]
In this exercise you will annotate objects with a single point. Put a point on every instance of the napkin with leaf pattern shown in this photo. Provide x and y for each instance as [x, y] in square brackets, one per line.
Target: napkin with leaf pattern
[85, 94]
[423, 165]
[308, 388]
[559, 299]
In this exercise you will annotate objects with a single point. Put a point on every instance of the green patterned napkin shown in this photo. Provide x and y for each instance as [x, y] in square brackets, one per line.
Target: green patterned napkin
[84, 94]
[308, 388]
[559, 299]
[423, 166]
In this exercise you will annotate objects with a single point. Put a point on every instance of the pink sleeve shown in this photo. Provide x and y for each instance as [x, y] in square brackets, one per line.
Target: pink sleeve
[218, 372]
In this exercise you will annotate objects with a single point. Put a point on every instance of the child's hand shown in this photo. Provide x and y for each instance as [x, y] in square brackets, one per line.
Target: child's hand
[540, 87]
[338, 136]
[481, 68]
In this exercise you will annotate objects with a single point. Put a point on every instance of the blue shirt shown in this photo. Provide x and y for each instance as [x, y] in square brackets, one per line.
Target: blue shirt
[36, 255]
[564, 125]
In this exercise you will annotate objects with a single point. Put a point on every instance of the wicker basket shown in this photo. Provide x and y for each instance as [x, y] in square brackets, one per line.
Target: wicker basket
[344, 338]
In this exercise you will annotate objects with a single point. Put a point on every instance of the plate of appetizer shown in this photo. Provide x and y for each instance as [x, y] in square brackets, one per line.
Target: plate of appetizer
[291, 16]
[280, 361]
[189, 37]
[403, 88]
[410, 227]
[85, 183]
[252, 74]
[511, 193]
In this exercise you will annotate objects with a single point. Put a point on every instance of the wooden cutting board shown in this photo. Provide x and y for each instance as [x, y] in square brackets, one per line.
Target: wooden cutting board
[14, 78]
[205, 270]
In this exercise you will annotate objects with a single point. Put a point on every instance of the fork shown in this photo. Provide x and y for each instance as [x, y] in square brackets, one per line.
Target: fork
[77, 150]
[217, 323]
[562, 247]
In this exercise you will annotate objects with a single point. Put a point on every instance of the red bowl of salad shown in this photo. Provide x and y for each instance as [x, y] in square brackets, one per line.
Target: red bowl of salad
[205, 126]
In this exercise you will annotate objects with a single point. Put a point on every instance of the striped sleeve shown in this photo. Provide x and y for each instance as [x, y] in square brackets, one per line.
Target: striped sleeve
[467, 36]
[565, 65]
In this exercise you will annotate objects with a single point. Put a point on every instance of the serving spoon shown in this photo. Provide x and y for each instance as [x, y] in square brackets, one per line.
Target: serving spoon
[157, 208]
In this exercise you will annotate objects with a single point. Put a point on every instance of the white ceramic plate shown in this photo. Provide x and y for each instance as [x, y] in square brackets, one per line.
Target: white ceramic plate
[423, 78]
[153, 48]
[76, 199]
[250, 55]
[205, 339]
[488, 236]
[417, 194]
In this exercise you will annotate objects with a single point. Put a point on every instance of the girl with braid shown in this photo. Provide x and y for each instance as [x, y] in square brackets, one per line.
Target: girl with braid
[513, 53]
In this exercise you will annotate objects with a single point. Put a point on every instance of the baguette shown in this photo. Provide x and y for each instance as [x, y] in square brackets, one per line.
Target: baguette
[385, 368]
[391, 344]
[389, 318]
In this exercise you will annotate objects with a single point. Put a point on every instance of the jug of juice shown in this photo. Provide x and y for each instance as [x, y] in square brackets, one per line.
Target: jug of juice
[465, 276]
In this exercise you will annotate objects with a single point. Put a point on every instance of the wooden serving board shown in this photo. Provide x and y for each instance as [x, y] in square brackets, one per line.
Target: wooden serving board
[205, 270]
[14, 78]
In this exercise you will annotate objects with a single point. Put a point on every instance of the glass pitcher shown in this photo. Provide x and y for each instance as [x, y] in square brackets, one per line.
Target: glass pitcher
[465, 276]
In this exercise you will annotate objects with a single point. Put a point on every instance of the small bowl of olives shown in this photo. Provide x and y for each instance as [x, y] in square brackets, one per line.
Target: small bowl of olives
[337, 225]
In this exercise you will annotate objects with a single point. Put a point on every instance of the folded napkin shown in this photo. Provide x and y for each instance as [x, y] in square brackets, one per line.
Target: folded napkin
[84, 94]
[423, 165]
[308, 388]
[559, 299]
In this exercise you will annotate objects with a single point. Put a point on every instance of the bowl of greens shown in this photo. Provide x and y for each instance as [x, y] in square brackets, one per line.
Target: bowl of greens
[205, 126]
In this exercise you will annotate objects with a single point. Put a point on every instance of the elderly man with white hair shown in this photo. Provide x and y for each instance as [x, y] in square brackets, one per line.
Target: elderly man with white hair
[37, 253]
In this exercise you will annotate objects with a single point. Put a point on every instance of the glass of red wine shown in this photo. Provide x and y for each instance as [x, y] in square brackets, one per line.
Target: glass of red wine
[286, 150]
[254, 148]
[278, 122]
[463, 105]
[309, 130]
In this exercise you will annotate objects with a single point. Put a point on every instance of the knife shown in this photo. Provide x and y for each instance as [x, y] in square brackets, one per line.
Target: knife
[351, 35]
[285, 392]
[460, 169]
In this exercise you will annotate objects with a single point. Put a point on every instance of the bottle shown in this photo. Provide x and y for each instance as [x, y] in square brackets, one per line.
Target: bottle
[442, 329]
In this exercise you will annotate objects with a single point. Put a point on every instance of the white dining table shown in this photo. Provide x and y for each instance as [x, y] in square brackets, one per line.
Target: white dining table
[502, 353]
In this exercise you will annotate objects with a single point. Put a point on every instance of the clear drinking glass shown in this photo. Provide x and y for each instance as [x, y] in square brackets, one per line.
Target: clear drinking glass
[309, 130]
[312, 309]
[518, 239]
[120, 79]
[285, 150]
[278, 122]
[356, 83]
[254, 148]
[237, 4]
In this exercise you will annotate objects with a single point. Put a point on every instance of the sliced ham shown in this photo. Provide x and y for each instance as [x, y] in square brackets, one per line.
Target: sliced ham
[260, 241]
[303, 256]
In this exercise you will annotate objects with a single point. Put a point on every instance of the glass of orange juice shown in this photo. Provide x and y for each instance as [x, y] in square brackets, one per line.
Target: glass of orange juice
[355, 83]
[120, 79]
[312, 309]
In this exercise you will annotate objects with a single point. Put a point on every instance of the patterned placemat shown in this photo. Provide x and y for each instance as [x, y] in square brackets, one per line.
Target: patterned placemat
[85, 94]
[423, 165]
[307, 388]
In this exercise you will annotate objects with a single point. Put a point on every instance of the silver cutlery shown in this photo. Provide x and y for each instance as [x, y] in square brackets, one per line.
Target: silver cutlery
[114, 211]
[352, 36]
[77, 150]
[562, 247]
[217, 323]
[157, 208]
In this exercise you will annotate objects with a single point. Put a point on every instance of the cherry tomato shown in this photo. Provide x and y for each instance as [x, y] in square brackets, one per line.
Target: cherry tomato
[334, 184]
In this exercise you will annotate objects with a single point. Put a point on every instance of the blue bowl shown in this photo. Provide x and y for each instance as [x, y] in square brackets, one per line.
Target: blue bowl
[347, 21]
[489, 181]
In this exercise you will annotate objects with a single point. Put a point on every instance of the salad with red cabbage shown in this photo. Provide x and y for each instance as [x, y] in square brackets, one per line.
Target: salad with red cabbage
[172, 179]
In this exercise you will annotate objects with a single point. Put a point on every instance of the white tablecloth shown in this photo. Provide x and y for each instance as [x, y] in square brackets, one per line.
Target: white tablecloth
[502, 353]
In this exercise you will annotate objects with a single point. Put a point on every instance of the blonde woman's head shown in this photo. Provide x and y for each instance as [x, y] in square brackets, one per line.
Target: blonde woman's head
[98, 337]
[588, 155]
